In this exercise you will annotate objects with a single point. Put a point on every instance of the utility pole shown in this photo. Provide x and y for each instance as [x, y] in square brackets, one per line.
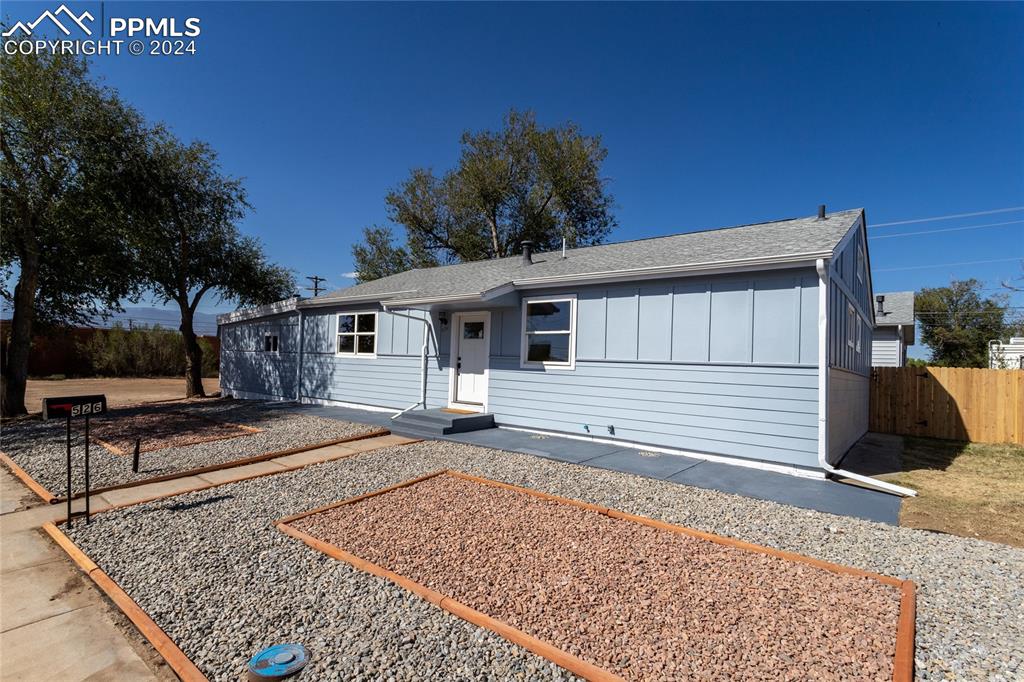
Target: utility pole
[316, 280]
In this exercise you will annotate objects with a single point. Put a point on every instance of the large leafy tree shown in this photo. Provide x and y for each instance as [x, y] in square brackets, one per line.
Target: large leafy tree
[69, 153]
[189, 244]
[522, 182]
[957, 322]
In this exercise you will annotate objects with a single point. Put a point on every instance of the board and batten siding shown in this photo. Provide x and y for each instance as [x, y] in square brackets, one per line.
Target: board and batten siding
[722, 365]
[849, 365]
[245, 367]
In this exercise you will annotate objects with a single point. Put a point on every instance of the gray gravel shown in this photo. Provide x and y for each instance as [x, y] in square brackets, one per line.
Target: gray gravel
[40, 447]
[223, 583]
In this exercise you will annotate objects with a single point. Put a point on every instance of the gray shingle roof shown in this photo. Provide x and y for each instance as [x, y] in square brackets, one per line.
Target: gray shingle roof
[779, 240]
[898, 308]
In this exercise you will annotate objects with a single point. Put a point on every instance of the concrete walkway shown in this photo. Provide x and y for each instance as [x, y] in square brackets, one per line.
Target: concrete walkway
[54, 623]
[819, 494]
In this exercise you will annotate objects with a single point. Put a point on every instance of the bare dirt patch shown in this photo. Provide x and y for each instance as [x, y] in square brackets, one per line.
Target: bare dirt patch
[119, 392]
[635, 600]
[974, 490]
[160, 430]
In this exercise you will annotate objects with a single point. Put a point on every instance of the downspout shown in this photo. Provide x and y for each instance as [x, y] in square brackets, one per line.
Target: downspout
[423, 357]
[823, 380]
[298, 370]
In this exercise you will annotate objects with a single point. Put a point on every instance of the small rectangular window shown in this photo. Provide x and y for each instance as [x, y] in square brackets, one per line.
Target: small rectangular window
[270, 343]
[860, 264]
[858, 333]
[357, 334]
[549, 332]
[851, 316]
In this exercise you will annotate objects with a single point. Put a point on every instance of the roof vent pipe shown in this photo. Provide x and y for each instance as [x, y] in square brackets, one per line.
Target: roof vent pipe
[527, 252]
[880, 299]
[821, 212]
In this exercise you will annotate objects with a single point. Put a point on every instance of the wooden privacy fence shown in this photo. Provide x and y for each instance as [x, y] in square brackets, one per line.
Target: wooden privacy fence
[981, 405]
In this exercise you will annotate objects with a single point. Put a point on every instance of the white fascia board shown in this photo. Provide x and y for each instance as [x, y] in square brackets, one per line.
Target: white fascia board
[657, 272]
[429, 300]
[364, 298]
[285, 306]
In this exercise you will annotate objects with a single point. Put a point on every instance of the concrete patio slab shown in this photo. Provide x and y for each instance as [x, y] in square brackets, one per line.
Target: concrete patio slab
[649, 464]
[550, 447]
[819, 494]
[822, 495]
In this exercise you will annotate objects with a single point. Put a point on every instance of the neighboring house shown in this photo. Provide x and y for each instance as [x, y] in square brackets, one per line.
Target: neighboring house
[894, 329]
[1006, 354]
[749, 344]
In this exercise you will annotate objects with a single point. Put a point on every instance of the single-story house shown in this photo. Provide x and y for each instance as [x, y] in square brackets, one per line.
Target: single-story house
[894, 329]
[745, 344]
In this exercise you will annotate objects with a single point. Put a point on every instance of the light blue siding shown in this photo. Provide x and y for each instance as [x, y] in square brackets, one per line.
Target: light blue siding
[776, 320]
[705, 320]
[691, 322]
[730, 321]
[655, 343]
[621, 329]
[245, 366]
[757, 413]
[591, 322]
[724, 365]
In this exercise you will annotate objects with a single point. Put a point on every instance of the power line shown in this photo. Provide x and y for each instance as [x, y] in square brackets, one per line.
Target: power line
[948, 229]
[944, 265]
[951, 216]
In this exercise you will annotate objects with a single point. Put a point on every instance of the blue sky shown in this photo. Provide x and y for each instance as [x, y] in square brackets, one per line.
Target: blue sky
[713, 115]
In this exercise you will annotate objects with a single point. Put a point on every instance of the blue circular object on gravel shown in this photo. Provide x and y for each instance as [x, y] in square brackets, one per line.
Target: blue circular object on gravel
[278, 662]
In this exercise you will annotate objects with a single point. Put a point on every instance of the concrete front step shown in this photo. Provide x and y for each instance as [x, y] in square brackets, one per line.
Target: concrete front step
[427, 423]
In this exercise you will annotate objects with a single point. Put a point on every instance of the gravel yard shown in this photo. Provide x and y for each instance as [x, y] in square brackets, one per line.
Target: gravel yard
[638, 601]
[39, 447]
[213, 572]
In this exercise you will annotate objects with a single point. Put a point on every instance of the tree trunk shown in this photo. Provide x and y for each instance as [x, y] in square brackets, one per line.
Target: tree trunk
[193, 356]
[15, 375]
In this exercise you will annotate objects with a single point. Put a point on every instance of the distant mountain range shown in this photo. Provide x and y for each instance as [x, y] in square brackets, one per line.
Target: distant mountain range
[168, 318]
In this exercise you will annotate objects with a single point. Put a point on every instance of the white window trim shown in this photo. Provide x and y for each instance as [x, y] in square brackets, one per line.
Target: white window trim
[267, 335]
[851, 314]
[859, 327]
[524, 335]
[355, 353]
[861, 259]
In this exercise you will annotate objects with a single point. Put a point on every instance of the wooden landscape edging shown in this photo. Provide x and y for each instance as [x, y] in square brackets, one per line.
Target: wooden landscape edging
[182, 666]
[227, 465]
[29, 482]
[903, 660]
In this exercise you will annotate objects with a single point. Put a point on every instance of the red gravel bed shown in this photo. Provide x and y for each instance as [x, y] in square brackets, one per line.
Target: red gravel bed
[160, 430]
[637, 601]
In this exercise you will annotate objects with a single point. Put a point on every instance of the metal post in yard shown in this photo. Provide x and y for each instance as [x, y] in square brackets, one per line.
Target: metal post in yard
[135, 457]
[69, 468]
[87, 520]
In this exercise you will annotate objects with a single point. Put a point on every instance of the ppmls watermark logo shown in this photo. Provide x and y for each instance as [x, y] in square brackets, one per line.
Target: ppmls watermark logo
[117, 35]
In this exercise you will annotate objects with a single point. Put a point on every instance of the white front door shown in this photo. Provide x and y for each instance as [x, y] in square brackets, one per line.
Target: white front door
[470, 350]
